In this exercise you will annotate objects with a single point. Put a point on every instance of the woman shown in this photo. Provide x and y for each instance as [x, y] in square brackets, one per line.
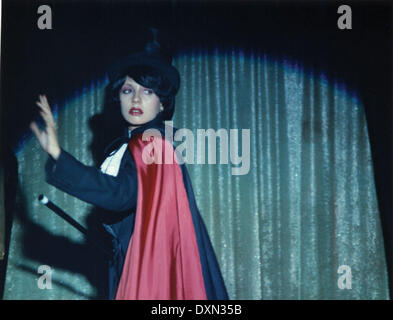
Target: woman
[161, 246]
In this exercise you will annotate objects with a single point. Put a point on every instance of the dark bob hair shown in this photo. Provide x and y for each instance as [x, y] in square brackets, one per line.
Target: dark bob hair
[150, 78]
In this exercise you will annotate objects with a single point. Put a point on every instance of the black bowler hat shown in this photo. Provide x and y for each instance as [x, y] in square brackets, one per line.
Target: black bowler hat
[153, 56]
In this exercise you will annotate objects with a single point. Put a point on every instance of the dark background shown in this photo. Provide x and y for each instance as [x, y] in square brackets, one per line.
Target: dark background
[88, 36]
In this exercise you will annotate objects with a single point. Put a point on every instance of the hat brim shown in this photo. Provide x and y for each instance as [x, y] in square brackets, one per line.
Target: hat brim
[141, 59]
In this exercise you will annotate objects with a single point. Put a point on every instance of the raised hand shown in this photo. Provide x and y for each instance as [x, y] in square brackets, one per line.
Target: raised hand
[47, 137]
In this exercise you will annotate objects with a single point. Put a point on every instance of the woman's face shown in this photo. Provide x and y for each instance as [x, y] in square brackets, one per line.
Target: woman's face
[138, 104]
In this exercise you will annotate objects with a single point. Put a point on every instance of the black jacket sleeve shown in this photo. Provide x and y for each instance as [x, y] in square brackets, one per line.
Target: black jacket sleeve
[89, 184]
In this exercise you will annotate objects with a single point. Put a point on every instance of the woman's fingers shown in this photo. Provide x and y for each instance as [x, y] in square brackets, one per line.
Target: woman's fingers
[48, 136]
[45, 111]
[43, 103]
[47, 119]
[35, 129]
[45, 100]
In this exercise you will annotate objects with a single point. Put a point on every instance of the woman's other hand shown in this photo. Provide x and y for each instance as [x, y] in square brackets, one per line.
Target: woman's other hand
[47, 137]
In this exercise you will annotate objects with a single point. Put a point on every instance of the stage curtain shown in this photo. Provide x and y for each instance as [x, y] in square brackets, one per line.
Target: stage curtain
[281, 230]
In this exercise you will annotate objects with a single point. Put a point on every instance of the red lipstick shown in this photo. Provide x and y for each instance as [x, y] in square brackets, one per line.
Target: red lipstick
[135, 111]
